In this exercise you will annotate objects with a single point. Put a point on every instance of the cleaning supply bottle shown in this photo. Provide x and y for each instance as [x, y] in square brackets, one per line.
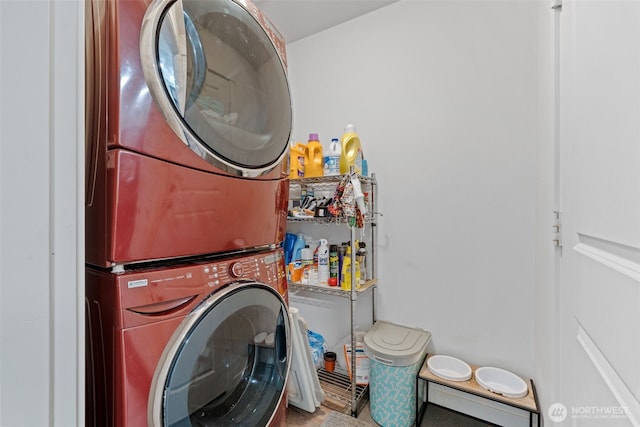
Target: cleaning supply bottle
[333, 265]
[289, 241]
[323, 263]
[351, 154]
[297, 154]
[361, 256]
[295, 267]
[332, 158]
[298, 246]
[345, 283]
[342, 252]
[307, 255]
[313, 158]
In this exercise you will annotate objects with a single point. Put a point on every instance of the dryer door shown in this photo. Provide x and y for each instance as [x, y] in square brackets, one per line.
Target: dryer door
[220, 83]
[227, 363]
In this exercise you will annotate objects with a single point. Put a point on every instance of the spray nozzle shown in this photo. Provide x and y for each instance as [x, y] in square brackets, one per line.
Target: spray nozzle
[358, 194]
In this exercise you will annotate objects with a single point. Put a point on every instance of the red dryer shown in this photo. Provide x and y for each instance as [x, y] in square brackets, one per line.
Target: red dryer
[203, 344]
[188, 123]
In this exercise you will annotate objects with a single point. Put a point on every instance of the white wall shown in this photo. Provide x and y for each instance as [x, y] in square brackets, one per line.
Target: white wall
[444, 97]
[41, 225]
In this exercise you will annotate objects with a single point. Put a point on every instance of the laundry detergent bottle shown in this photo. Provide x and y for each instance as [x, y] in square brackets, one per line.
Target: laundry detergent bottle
[351, 153]
[297, 154]
[313, 159]
[298, 246]
[332, 158]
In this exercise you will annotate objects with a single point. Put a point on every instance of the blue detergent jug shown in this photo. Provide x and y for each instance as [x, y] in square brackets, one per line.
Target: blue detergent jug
[289, 241]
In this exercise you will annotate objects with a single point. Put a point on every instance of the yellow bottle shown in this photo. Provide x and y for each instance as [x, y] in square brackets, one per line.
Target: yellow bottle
[297, 153]
[313, 159]
[345, 279]
[351, 154]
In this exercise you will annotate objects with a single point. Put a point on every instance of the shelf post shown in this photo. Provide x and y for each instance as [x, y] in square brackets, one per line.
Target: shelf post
[353, 297]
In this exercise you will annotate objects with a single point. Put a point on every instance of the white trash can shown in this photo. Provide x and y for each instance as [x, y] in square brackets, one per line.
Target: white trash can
[396, 353]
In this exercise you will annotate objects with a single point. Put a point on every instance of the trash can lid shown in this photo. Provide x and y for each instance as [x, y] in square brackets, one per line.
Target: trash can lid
[395, 345]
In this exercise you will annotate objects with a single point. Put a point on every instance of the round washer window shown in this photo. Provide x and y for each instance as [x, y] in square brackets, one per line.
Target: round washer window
[218, 78]
[227, 364]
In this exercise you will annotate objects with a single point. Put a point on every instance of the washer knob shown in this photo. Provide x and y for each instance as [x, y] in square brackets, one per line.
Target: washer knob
[236, 269]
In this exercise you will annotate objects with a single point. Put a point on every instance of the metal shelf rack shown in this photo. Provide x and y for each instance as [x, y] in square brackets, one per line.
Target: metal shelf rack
[369, 285]
[339, 387]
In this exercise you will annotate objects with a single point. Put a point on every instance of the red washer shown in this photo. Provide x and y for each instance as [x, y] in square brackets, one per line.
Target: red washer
[188, 124]
[189, 345]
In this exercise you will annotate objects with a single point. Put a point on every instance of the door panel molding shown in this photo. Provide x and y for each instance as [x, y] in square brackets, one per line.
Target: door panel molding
[616, 256]
[620, 391]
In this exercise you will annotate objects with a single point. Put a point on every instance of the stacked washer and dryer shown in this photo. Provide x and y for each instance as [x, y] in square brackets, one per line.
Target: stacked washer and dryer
[188, 123]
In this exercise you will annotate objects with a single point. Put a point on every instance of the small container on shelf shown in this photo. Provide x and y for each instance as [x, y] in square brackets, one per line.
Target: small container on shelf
[329, 361]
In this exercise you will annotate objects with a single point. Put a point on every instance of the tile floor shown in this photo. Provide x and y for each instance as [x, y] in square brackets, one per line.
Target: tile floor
[435, 416]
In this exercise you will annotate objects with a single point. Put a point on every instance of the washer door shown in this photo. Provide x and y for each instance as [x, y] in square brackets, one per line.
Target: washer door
[227, 363]
[218, 79]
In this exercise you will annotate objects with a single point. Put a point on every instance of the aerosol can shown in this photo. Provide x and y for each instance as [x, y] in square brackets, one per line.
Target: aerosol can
[323, 263]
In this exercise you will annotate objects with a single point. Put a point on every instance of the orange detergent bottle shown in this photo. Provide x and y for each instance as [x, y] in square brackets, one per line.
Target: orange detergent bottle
[313, 160]
[297, 154]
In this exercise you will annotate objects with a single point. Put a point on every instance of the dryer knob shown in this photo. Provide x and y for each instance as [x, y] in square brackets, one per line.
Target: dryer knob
[236, 269]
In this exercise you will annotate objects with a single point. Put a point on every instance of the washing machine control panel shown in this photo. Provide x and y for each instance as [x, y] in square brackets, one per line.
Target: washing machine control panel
[267, 268]
[157, 290]
[236, 269]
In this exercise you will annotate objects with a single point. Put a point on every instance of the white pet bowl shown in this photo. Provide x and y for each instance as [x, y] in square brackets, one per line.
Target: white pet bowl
[502, 382]
[449, 368]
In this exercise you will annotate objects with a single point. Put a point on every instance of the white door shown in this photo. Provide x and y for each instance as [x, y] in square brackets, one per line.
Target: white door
[600, 221]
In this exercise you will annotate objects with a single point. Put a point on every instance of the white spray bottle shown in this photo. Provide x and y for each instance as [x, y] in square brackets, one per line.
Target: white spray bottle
[323, 263]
